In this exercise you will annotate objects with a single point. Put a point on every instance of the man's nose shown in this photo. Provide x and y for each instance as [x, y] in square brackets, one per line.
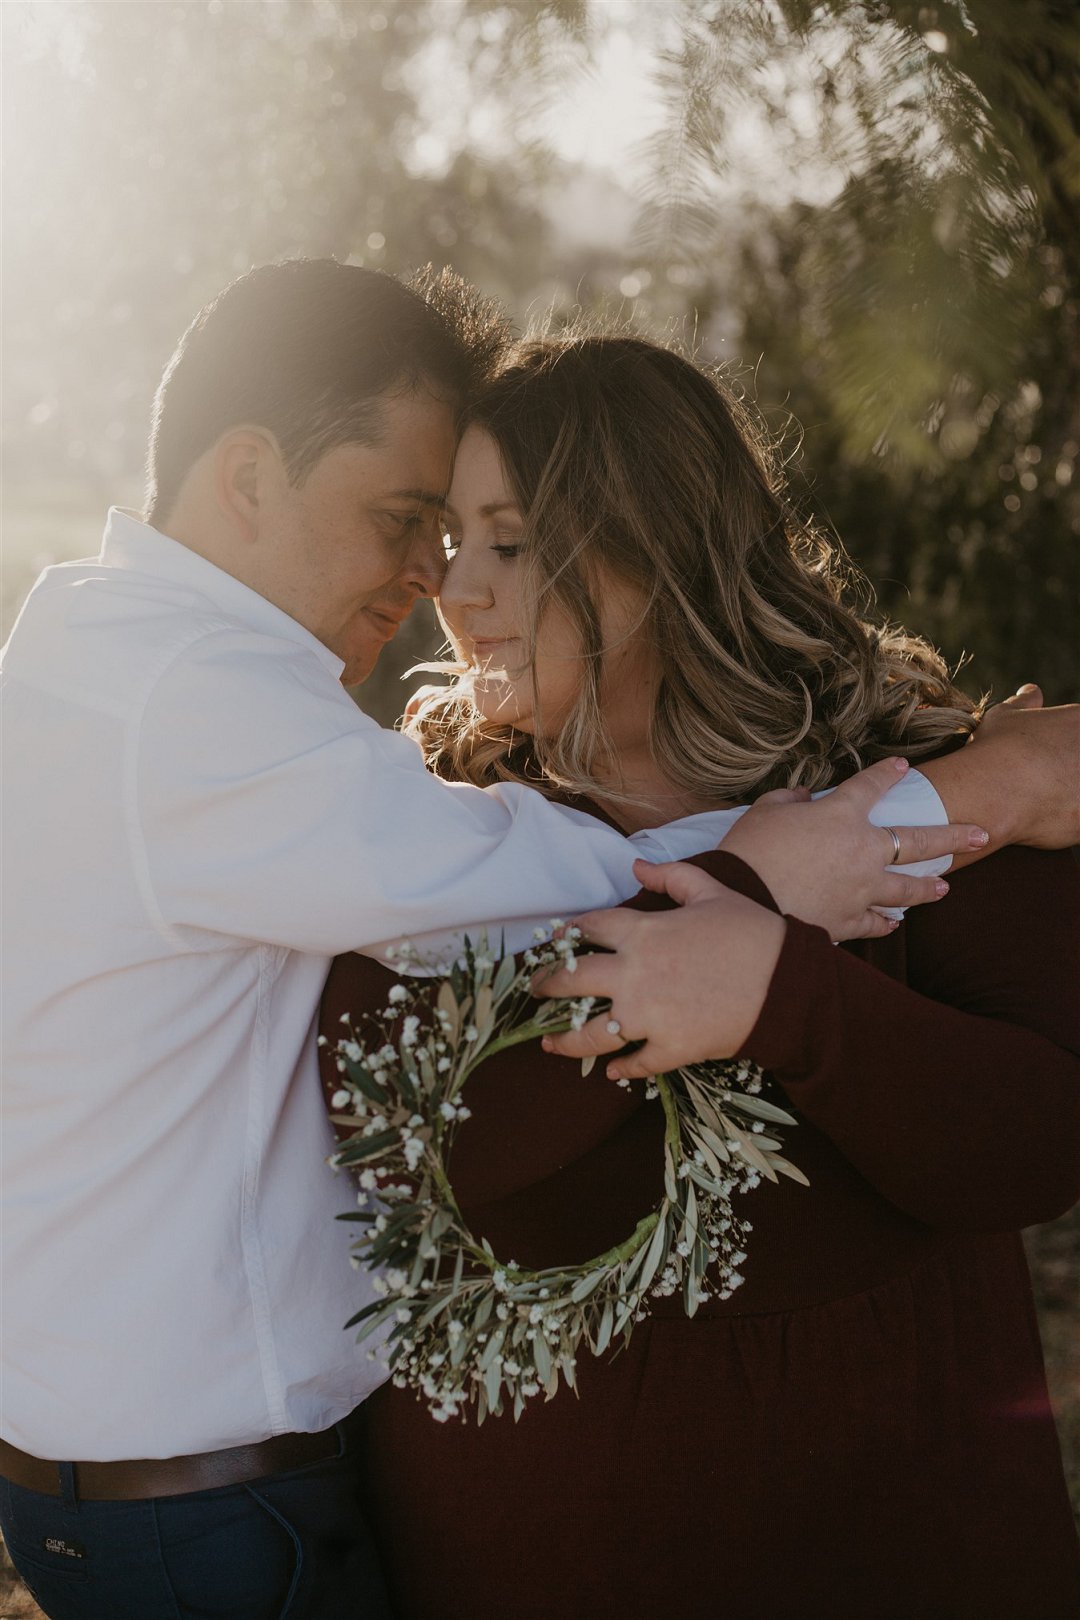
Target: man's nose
[426, 566]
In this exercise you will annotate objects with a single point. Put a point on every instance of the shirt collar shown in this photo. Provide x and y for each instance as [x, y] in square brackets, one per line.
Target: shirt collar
[131, 543]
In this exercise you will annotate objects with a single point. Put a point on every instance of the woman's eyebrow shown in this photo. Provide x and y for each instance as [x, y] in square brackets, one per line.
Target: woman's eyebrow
[483, 511]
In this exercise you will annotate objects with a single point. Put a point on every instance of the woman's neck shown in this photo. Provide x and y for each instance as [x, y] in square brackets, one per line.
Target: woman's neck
[650, 798]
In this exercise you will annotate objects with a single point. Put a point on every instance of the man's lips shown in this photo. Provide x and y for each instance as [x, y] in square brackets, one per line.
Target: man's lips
[388, 624]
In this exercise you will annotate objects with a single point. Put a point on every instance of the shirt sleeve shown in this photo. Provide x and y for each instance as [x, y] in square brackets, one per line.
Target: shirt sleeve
[957, 1094]
[269, 808]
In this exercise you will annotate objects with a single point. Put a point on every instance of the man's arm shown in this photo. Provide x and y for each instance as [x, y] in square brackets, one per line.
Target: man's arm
[265, 807]
[1019, 777]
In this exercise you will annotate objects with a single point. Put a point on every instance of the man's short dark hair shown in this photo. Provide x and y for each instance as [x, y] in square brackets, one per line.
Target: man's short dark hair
[306, 349]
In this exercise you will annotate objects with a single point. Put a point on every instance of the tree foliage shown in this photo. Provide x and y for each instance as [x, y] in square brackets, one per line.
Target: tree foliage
[874, 204]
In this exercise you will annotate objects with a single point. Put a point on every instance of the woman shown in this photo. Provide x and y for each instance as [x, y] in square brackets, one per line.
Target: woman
[862, 1429]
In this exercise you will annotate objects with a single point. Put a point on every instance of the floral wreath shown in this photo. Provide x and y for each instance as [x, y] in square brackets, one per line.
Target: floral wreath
[464, 1327]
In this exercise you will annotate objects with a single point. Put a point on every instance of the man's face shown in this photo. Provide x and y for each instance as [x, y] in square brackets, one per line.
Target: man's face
[348, 551]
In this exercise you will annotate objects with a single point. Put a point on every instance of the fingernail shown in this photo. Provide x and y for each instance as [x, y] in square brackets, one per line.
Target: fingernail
[547, 1043]
[894, 923]
[1028, 686]
[613, 1072]
[941, 888]
[901, 766]
[977, 838]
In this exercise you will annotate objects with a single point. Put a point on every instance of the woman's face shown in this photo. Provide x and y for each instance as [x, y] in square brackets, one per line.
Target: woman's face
[480, 607]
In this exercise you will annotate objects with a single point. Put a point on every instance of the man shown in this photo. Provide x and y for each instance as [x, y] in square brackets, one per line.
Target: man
[197, 819]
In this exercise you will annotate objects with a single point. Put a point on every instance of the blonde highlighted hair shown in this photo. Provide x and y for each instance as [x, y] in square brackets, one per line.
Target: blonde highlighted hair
[629, 461]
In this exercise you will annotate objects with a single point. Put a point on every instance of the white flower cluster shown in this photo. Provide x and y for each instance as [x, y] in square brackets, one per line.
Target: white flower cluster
[469, 1331]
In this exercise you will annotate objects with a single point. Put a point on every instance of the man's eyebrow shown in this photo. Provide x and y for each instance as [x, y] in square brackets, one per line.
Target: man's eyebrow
[422, 497]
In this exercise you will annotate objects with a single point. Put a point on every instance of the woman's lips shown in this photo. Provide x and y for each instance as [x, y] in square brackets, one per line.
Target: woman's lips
[490, 648]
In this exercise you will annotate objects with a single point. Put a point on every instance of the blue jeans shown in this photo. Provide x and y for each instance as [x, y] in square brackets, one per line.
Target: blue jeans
[291, 1546]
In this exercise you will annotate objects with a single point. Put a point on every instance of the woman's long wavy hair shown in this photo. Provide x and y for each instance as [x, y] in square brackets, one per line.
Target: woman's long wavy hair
[627, 460]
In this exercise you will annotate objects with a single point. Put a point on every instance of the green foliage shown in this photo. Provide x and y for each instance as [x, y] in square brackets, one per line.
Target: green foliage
[873, 203]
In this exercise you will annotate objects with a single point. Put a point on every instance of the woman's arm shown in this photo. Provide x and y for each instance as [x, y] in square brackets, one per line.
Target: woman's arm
[957, 1094]
[1019, 777]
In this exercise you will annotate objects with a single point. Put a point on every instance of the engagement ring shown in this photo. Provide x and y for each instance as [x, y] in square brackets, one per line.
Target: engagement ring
[614, 1027]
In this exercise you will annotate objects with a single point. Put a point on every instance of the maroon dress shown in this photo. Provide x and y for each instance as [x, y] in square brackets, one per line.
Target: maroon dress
[862, 1432]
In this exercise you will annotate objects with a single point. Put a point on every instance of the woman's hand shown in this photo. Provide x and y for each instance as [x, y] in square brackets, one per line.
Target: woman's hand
[823, 861]
[1020, 774]
[689, 983]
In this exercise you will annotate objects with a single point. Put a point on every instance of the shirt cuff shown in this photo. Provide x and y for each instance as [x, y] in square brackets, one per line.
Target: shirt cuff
[914, 802]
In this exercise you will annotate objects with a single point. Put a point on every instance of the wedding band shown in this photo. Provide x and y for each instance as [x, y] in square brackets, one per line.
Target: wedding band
[895, 836]
[614, 1027]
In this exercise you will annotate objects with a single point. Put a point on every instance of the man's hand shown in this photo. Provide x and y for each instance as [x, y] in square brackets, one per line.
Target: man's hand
[823, 861]
[1020, 774]
[690, 983]
[419, 697]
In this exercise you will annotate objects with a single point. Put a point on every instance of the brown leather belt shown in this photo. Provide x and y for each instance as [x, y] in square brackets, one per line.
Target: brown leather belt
[172, 1476]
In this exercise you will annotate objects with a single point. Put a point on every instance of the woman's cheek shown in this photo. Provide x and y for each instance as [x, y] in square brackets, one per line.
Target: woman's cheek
[502, 701]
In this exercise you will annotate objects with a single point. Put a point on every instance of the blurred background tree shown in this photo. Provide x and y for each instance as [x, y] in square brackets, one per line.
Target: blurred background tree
[869, 207]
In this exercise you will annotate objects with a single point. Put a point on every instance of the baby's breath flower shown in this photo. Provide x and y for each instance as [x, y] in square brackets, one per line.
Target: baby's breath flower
[477, 1335]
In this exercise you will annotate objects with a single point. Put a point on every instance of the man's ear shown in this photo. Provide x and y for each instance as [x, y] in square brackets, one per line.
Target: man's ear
[247, 467]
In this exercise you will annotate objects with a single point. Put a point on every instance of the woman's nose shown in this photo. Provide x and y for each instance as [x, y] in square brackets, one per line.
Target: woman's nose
[464, 585]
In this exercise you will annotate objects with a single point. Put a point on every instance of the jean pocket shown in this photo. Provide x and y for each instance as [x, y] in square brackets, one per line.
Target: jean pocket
[42, 1538]
[228, 1556]
[52, 1578]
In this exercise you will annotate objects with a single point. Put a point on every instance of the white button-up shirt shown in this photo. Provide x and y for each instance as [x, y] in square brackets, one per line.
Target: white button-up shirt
[197, 818]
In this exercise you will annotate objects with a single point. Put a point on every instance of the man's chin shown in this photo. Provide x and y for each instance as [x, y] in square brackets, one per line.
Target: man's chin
[360, 662]
[358, 670]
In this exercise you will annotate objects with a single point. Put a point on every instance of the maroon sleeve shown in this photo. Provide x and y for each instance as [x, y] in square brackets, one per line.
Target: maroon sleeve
[730, 870]
[957, 1094]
